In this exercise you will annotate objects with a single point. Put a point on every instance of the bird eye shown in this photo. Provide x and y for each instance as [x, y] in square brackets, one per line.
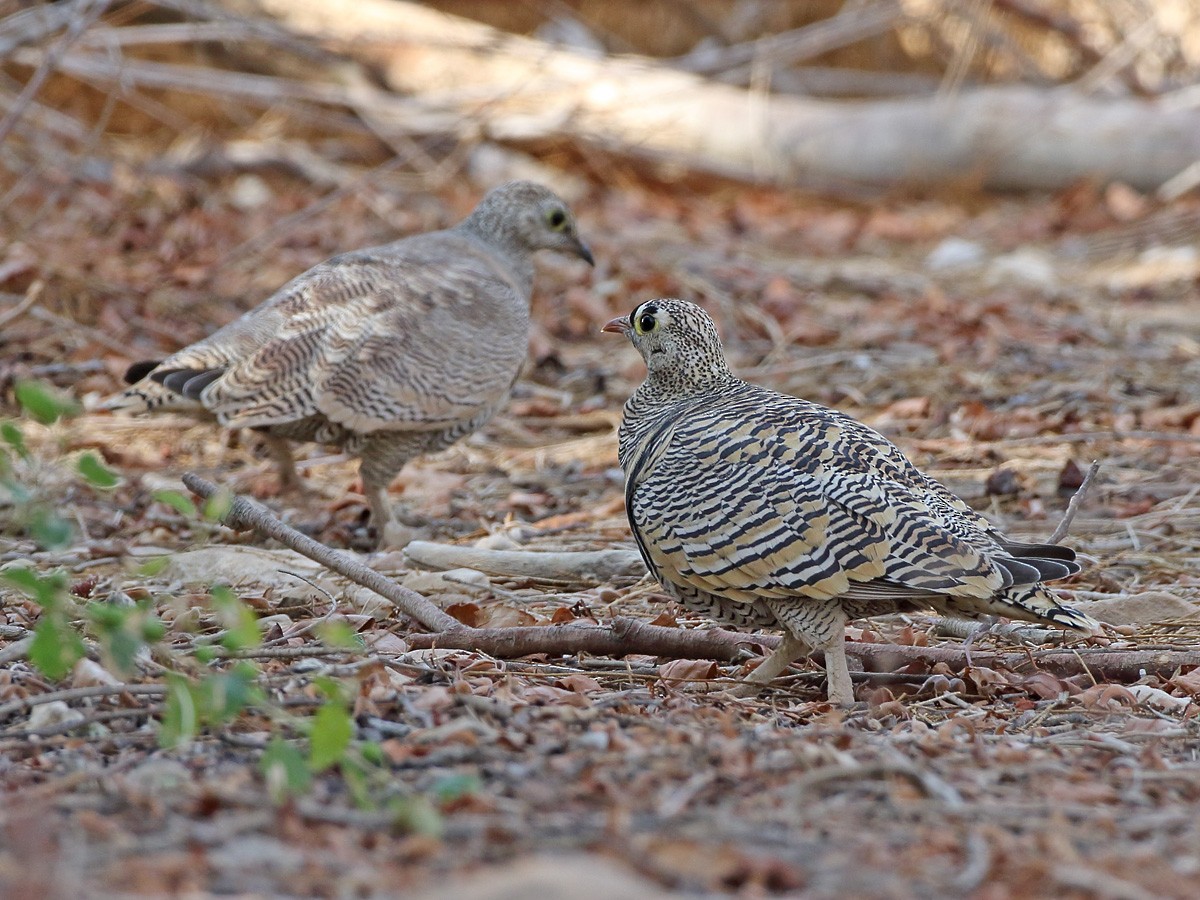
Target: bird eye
[556, 219]
[646, 322]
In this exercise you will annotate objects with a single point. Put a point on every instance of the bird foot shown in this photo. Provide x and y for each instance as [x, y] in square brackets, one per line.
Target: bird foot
[396, 535]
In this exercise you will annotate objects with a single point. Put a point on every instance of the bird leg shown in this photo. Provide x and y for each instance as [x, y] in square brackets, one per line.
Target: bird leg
[837, 673]
[822, 625]
[789, 650]
[377, 471]
[285, 463]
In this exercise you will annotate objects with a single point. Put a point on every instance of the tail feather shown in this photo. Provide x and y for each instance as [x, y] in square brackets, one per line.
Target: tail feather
[140, 370]
[1039, 604]
[1025, 551]
[146, 397]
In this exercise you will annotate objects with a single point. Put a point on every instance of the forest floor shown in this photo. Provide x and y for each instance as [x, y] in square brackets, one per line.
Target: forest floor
[1003, 342]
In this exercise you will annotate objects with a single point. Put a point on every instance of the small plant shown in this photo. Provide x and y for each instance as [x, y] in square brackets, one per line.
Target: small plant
[33, 514]
[205, 687]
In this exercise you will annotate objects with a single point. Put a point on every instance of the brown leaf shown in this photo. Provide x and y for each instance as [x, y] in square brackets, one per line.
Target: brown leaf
[908, 408]
[1002, 483]
[503, 616]
[688, 670]
[468, 613]
[579, 683]
[1070, 479]
[1107, 696]
[1044, 685]
[546, 693]
[1188, 682]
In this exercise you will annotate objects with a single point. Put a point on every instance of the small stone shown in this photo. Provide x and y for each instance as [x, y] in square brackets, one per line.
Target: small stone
[955, 253]
[1025, 266]
[1144, 608]
[52, 714]
[249, 192]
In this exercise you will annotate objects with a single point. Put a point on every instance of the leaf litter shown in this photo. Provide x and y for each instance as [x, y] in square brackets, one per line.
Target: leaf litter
[1004, 380]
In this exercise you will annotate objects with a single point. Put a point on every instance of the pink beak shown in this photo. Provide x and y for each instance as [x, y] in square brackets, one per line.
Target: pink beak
[619, 325]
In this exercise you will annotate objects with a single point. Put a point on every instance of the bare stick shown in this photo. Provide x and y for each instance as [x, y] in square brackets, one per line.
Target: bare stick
[1073, 507]
[246, 513]
[591, 565]
[624, 636]
[79, 693]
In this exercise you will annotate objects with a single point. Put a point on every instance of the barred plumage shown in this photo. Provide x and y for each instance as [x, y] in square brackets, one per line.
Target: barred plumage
[389, 352]
[767, 510]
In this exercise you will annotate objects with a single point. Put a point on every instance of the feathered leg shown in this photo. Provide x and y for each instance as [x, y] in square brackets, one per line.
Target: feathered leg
[382, 459]
[790, 649]
[285, 463]
[820, 624]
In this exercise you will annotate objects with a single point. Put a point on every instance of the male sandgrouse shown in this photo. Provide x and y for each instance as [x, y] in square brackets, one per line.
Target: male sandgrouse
[389, 352]
[764, 510]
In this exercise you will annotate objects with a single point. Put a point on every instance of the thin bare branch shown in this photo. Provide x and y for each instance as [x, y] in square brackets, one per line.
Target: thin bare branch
[246, 513]
[1073, 507]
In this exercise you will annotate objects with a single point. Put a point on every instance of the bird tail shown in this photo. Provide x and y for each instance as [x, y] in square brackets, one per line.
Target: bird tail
[146, 395]
[1037, 603]
[149, 397]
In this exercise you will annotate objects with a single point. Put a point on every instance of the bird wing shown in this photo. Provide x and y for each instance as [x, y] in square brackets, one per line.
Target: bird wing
[418, 335]
[799, 501]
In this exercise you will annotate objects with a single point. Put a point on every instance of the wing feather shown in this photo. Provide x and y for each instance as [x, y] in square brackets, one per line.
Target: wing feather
[803, 507]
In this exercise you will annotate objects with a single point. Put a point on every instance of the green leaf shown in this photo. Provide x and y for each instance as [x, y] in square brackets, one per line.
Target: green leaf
[47, 591]
[241, 625]
[372, 753]
[455, 787]
[13, 436]
[285, 770]
[49, 530]
[354, 776]
[332, 730]
[122, 648]
[23, 579]
[152, 629]
[154, 565]
[181, 719]
[339, 634]
[222, 696]
[205, 654]
[417, 815]
[217, 507]
[181, 503]
[56, 647]
[96, 473]
[42, 403]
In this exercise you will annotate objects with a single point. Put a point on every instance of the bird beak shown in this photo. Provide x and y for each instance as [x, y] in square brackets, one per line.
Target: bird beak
[619, 325]
[582, 251]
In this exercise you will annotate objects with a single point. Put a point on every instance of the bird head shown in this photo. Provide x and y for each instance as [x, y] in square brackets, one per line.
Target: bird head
[529, 217]
[678, 341]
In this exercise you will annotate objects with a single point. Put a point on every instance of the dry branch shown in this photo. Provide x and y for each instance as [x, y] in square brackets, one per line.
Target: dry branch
[520, 88]
[591, 565]
[246, 513]
[627, 635]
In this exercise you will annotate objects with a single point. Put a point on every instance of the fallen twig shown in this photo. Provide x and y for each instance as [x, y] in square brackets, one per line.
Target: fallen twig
[592, 565]
[79, 693]
[1073, 507]
[246, 513]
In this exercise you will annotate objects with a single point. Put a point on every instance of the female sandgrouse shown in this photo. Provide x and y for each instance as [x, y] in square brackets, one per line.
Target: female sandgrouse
[764, 510]
[389, 352]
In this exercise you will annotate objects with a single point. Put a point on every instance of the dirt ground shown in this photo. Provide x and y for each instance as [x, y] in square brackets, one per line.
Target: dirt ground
[1003, 342]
